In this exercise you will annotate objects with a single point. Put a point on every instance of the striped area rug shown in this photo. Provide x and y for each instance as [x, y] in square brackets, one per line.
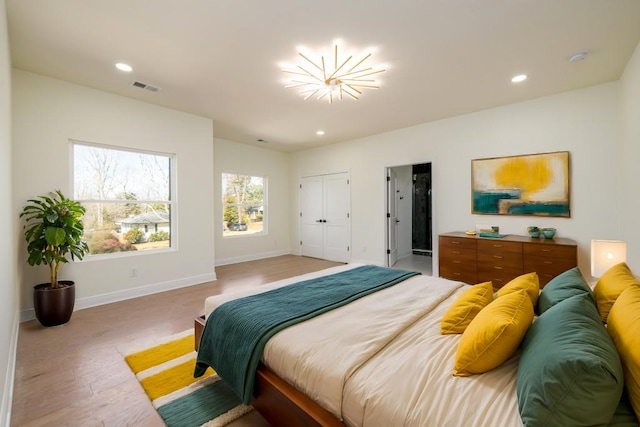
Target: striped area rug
[165, 372]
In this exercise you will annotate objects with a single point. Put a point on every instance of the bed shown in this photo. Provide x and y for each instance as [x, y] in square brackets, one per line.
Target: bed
[382, 360]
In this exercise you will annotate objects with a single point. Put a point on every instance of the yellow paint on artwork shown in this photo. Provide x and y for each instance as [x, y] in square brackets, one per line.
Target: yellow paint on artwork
[529, 175]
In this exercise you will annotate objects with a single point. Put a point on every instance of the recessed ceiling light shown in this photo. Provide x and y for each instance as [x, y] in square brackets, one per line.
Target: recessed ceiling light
[519, 78]
[124, 67]
[578, 56]
[320, 133]
[262, 141]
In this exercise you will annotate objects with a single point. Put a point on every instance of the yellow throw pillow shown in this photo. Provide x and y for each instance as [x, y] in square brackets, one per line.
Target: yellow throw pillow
[612, 283]
[528, 282]
[466, 307]
[494, 335]
[624, 328]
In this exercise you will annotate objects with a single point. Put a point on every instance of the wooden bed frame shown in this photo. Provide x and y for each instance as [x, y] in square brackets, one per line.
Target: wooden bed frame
[277, 401]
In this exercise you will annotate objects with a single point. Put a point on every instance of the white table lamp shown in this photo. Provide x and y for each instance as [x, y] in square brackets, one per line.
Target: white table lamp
[605, 254]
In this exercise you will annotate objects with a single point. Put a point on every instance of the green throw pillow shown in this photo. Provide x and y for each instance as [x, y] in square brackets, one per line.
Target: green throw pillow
[569, 373]
[561, 287]
[624, 416]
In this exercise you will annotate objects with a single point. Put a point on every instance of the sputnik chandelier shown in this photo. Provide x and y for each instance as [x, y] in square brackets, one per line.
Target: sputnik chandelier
[332, 77]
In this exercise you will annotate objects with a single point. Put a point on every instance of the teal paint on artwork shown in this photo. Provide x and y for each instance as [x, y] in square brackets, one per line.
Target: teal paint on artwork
[486, 202]
[541, 208]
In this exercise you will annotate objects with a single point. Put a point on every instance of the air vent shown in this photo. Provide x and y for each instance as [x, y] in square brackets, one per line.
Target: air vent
[146, 86]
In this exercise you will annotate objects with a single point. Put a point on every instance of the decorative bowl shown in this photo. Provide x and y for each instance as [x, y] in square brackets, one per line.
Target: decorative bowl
[533, 231]
[548, 233]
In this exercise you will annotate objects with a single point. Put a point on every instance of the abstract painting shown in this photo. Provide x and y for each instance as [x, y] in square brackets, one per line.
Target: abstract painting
[533, 184]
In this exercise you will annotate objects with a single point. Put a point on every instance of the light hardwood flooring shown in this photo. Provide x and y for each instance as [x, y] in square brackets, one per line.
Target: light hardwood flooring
[75, 374]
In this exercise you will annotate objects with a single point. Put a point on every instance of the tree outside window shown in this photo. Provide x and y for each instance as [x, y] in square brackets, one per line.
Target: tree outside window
[127, 195]
[243, 205]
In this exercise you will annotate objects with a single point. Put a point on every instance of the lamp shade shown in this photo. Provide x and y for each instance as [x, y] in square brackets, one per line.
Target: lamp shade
[605, 254]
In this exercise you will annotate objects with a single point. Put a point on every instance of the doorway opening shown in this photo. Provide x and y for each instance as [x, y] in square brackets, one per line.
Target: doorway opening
[409, 217]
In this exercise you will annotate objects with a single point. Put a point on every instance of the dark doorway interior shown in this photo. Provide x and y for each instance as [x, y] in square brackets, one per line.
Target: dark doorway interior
[421, 235]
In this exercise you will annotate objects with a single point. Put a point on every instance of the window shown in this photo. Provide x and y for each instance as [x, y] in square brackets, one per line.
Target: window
[127, 195]
[243, 205]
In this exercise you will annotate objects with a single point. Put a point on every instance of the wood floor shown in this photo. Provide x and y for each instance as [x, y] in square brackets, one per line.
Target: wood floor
[75, 374]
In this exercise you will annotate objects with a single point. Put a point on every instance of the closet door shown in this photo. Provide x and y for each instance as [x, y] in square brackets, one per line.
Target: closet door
[337, 235]
[324, 217]
[311, 230]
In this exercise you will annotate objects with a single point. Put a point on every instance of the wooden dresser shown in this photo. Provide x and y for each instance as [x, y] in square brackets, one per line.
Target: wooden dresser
[472, 259]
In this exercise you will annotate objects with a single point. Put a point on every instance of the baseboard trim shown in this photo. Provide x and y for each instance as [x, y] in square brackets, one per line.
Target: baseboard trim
[94, 301]
[7, 394]
[252, 257]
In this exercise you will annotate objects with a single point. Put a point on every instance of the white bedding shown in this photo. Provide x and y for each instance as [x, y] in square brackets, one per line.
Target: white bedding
[381, 360]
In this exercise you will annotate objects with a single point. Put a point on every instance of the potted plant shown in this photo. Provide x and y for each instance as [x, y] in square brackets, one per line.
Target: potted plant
[53, 229]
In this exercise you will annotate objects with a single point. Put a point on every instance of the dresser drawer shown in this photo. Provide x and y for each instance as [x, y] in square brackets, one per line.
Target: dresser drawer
[498, 275]
[509, 260]
[458, 271]
[499, 246]
[455, 253]
[552, 251]
[547, 268]
[457, 243]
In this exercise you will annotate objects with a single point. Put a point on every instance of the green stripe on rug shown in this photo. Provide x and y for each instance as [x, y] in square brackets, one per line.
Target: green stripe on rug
[165, 372]
[201, 406]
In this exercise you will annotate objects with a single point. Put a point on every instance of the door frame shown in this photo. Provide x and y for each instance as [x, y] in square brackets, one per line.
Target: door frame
[387, 170]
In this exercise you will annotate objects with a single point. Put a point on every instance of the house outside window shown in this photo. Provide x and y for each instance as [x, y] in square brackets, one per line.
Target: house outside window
[243, 205]
[128, 197]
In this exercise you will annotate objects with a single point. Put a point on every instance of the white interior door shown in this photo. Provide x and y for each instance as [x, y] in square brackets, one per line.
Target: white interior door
[325, 230]
[392, 218]
[311, 225]
[337, 234]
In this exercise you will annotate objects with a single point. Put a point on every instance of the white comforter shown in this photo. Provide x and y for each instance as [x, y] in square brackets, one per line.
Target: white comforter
[381, 360]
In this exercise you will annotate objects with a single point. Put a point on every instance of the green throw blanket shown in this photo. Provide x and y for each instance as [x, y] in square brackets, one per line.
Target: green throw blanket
[236, 332]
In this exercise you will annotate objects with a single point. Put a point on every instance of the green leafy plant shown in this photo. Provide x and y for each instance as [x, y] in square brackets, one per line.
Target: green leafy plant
[158, 236]
[53, 230]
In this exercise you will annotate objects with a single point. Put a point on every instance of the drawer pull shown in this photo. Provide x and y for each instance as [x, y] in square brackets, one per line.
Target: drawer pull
[455, 242]
[455, 252]
[497, 280]
[457, 274]
[548, 262]
[497, 267]
[497, 246]
[547, 250]
[455, 261]
[498, 256]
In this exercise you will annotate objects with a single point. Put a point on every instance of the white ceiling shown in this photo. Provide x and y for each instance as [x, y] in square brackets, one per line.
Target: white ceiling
[221, 58]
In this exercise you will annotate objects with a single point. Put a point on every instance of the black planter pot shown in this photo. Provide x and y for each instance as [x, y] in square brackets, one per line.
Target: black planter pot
[54, 306]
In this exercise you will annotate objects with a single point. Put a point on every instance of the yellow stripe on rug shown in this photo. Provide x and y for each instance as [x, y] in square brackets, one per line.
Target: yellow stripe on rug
[172, 379]
[161, 353]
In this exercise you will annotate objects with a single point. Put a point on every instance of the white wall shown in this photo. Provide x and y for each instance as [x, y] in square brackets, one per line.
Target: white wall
[46, 114]
[630, 136]
[584, 122]
[10, 232]
[232, 157]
